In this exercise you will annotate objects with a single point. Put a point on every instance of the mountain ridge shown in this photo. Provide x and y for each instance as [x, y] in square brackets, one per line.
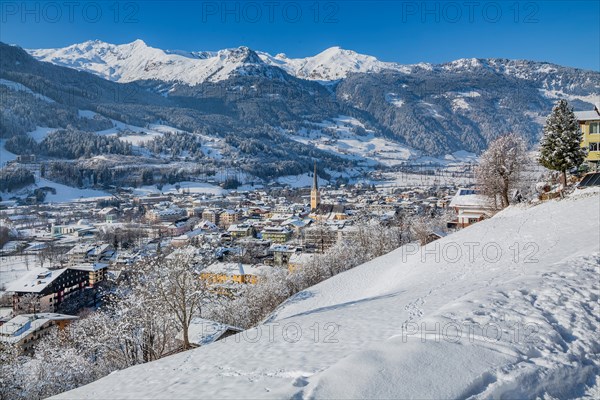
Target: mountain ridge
[331, 64]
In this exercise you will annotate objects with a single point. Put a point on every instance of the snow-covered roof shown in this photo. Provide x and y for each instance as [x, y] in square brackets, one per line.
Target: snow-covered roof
[90, 267]
[238, 227]
[466, 198]
[471, 214]
[257, 269]
[282, 248]
[301, 258]
[226, 268]
[275, 229]
[35, 281]
[203, 331]
[169, 212]
[22, 325]
[296, 222]
[206, 225]
[231, 268]
[587, 115]
[90, 249]
[107, 211]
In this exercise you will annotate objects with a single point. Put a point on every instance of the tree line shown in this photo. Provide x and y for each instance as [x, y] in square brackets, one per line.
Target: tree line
[15, 177]
[69, 144]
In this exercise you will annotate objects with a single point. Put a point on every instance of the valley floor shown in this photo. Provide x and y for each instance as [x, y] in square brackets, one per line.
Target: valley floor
[509, 307]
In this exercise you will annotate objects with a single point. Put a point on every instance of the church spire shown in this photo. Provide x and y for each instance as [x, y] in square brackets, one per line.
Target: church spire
[315, 196]
[315, 179]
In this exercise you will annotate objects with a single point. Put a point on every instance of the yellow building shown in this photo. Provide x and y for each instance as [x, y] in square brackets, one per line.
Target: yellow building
[96, 272]
[226, 273]
[276, 234]
[228, 217]
[240, 230]
[589, 121]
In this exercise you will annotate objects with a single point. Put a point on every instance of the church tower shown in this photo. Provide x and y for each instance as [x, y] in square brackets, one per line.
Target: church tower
[315, 196]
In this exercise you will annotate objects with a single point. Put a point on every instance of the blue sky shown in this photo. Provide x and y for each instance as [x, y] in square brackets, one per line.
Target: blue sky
[567, 33]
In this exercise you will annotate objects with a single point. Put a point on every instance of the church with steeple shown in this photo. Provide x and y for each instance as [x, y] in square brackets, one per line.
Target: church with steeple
[315, 195]
[323, 211]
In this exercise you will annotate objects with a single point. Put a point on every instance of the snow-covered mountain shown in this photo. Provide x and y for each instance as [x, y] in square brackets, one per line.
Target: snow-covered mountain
[507, 308]
[331, 64]
[138, 61]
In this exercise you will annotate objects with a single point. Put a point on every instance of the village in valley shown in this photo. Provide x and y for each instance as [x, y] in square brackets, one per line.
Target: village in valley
[58, 260]
[56, 257]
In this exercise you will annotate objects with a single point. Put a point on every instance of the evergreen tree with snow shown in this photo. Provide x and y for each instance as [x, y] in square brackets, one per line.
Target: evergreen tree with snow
[560, 147]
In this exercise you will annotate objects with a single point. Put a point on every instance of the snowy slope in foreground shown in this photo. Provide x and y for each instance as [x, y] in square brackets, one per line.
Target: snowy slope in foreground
[534, 318]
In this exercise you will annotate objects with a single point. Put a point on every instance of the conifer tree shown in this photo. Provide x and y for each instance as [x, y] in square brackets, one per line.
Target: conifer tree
[560, 147]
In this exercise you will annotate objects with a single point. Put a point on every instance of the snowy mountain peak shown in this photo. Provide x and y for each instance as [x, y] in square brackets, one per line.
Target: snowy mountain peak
[241, 54]
[465, 63]
[139, 43]
[333, 63]
[138, 61]
[336, 63]
[336, 50]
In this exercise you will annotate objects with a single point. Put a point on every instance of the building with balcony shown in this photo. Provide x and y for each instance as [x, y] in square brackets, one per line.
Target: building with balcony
[224, 273]
[276, 234]
[212, 216]
[171, 214]
[241, 230]
[44, 290]
[470, 207]
[96, 272]
[229, 217]
[26, 329]
[90, 253]
[589, 122]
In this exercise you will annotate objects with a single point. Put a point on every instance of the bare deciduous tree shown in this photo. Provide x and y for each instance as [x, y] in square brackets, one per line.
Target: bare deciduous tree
[500, 168]
[175, 284]
[28, 304]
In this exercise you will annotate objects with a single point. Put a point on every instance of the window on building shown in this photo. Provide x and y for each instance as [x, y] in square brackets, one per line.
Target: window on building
[595, 127]
[594, 146]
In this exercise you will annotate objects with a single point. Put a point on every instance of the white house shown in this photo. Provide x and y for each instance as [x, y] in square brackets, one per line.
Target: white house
[470, 206]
